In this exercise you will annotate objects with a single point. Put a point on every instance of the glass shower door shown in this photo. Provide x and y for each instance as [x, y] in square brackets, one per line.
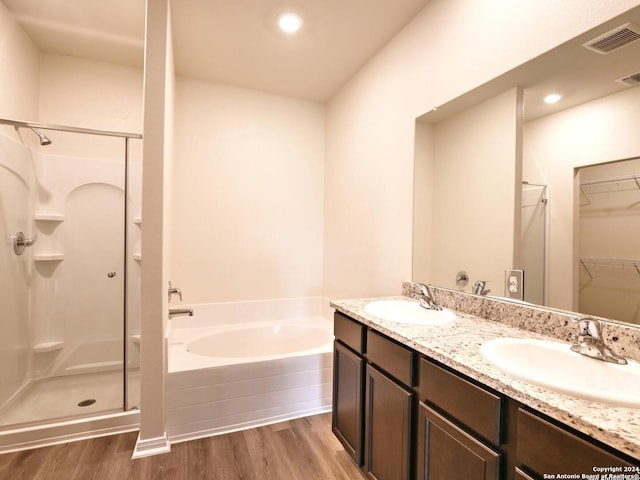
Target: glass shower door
[16, 172]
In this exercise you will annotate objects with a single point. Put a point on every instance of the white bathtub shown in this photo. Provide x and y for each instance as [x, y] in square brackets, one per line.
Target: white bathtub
[239, 365]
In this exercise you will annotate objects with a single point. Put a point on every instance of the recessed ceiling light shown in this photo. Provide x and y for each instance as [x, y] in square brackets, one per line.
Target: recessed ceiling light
[289, 22]
[553, 98]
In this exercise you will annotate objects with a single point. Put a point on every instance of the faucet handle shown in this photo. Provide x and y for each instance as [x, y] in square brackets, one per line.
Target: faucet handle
[174, 291]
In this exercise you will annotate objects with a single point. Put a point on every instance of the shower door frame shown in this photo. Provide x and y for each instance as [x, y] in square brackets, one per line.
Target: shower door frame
[126, 136]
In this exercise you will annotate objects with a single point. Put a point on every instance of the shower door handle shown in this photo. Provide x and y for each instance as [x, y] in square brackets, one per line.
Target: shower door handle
[111, 274]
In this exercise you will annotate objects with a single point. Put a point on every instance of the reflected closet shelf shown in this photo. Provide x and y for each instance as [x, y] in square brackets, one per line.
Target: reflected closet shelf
[620, 263]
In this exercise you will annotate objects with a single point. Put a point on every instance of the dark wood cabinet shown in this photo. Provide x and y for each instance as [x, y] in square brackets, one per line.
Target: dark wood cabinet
[403, 416]
[347, 418]
[387, 427]
[446, 451]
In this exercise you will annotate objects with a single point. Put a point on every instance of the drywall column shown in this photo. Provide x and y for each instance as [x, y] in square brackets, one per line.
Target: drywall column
[156, 153]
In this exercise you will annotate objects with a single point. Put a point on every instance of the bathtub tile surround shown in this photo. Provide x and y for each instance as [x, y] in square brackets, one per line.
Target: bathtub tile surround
[209, 393]
[458, 346]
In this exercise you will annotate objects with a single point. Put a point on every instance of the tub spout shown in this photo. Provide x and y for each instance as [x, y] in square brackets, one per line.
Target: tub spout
[174, 312]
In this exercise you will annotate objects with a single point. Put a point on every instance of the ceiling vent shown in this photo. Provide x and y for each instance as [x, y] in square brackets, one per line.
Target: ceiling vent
[630, 80]
[614, 39]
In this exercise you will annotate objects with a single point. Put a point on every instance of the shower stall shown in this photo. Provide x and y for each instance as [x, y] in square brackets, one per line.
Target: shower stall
[70, 217]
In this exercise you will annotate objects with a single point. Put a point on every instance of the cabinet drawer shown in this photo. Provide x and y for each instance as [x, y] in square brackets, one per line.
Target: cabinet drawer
[349, 332]
[547, 449]
[471, 405]
[394, 359]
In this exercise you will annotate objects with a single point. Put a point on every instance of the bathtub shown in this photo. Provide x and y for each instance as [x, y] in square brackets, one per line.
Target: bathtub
[239, 365]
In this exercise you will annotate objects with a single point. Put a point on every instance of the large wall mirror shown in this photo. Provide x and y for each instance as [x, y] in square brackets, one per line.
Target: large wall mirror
[504, 180]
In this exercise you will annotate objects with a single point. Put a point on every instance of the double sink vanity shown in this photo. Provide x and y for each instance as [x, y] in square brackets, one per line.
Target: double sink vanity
[482, 389]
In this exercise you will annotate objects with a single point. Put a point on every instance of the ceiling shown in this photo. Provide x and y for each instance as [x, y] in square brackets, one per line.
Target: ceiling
[570, 69]
[228, 41]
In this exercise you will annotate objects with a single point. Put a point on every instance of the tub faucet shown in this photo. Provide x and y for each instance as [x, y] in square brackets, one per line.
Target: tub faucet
[427, 300]
[175, 312]
[589, 341]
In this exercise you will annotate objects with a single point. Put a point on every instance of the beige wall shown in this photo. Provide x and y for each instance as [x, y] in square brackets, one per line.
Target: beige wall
[554, 146]
[449, 48]
[20, 59]
[247, 194]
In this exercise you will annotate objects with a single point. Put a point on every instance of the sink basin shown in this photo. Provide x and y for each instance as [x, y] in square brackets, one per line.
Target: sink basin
[409, 313]
[554, 366]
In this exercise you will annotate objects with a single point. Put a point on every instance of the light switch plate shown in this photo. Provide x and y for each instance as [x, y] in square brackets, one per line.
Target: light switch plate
[514, 284]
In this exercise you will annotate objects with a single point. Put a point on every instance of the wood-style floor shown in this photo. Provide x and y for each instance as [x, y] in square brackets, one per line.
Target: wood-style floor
[301, 449]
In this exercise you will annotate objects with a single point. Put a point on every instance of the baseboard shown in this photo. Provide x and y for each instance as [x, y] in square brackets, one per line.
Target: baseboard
[184, 437]
[151, 446]
[39, 436]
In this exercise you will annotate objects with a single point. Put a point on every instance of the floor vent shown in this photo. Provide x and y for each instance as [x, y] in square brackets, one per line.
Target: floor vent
[630, 80]
[615, 39]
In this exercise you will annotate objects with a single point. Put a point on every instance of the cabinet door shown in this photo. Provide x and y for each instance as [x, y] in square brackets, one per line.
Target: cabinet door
[387, 428]
[445, 451]
[347, 417]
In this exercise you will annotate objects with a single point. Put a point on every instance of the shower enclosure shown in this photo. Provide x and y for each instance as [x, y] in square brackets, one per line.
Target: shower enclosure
[70, 277]
[534, 240]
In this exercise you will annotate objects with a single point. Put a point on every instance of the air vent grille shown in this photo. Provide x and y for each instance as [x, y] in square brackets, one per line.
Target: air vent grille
[614, 39]
[630, 80]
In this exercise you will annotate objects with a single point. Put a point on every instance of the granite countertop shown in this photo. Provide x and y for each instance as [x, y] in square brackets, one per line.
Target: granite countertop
[457, 346]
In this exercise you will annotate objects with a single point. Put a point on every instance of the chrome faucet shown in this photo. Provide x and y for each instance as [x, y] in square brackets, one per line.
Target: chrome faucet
[427, 300]
[479, 288]
[174, 291]
[174, 312]
[589, 341]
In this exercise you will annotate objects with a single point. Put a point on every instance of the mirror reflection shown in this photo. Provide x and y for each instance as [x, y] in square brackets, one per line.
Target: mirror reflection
[500, 180]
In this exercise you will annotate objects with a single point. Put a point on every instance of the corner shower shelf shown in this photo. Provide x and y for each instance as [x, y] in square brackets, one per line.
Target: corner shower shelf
[48, 257]
[137, 220]
[137, 257]
[49, 217]
[46, 347]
